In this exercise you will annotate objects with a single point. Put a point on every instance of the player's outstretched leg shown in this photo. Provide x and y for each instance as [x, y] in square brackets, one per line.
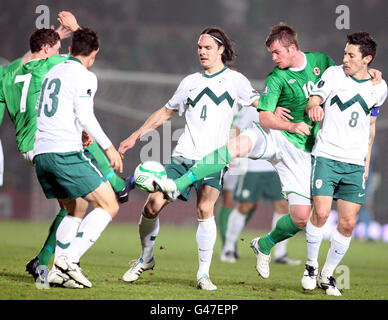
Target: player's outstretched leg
[44, 256]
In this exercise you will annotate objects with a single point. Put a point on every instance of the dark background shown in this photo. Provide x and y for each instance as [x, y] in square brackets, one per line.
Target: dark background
[160, 37]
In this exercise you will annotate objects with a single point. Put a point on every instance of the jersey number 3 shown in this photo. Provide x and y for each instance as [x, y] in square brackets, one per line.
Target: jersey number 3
[53, 97]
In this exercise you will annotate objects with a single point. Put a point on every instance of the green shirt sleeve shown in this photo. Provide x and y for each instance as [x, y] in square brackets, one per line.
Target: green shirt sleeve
[270, 95]
[2, 102]
[56, 59]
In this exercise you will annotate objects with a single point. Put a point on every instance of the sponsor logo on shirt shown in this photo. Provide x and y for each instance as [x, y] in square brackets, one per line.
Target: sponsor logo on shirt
[320, 84]
[291, 81]
[89, 92]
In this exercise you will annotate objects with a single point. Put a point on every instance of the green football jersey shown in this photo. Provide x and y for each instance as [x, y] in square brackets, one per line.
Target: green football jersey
[290, 88]
[10, 66]
[19, 91]
[3, 70]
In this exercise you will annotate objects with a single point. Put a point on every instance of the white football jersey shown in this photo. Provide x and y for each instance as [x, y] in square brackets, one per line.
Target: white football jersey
[348, 102]
[65, 109]
[243, 121]
[210, 102]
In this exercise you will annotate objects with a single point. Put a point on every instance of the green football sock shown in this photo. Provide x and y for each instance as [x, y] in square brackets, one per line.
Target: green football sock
[48, 249]
[116, 182]
[211, 163]
[285, 228]
[223, 217]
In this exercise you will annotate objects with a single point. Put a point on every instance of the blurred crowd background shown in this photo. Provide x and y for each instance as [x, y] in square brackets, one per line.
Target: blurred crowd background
[148, 46]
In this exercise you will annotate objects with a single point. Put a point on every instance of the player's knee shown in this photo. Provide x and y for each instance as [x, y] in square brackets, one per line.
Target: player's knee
[245, 207]
[153, 206]
[346, 226]
[321, 214]
[112, 208]
[205, 208]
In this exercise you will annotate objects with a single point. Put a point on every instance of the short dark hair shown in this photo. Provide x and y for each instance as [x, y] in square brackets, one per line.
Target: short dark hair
[283, 33]
[365, 42]
[229, 53]
[84, 42]
[41, 37]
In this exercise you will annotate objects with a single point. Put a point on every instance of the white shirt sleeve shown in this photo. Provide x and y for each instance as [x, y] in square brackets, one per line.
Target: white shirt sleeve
[324, 86]
[179, 99]
[382, 94]
[246, 94]
[86, 88]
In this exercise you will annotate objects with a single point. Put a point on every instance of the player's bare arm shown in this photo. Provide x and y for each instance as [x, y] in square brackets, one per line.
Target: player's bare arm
[372, 133]
[68, 21]
[270, 120]
[63, 32]
[314, 109]
[283, 113]
[153, 122]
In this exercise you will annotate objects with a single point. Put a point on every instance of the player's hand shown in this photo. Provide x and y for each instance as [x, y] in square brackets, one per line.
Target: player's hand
[114, 158]
[67, 20]
[301, 128]
[377, 76]
[283, 113]
[316, 114]
[63, 32]
[86, 139]
[127, 144]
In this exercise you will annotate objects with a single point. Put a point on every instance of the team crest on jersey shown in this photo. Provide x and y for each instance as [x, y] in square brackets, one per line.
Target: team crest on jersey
[318, 183]
[317, 71]
[266, 90]
[221, 81]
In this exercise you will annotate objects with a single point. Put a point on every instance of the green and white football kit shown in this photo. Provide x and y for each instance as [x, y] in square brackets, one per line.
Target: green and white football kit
[65, 109]
[289, 152]
[210, 103]
[342, 142]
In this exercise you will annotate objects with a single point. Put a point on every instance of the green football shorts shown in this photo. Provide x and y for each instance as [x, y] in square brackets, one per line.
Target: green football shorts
[178, 166]
[257, 186]
[68, 175]
[337, 179]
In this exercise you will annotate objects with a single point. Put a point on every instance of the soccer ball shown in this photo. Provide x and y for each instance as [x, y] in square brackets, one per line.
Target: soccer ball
[146, 173]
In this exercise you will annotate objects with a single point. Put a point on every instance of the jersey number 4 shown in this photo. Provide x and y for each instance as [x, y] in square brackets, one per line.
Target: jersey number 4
[53, 97]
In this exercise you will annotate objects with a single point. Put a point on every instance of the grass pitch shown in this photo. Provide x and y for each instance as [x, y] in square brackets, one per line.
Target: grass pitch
[174, 276]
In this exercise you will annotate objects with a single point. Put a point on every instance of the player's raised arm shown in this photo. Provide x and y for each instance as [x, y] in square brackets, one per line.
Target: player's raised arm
[68, 21]
[153, 122]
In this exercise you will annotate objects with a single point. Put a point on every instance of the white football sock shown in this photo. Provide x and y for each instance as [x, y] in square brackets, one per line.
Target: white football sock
[314, 236]
[66, 232]
[236, 223]
[280, 249]
[339, 244]
[206, 238]
[148, 231]
[89, 231]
